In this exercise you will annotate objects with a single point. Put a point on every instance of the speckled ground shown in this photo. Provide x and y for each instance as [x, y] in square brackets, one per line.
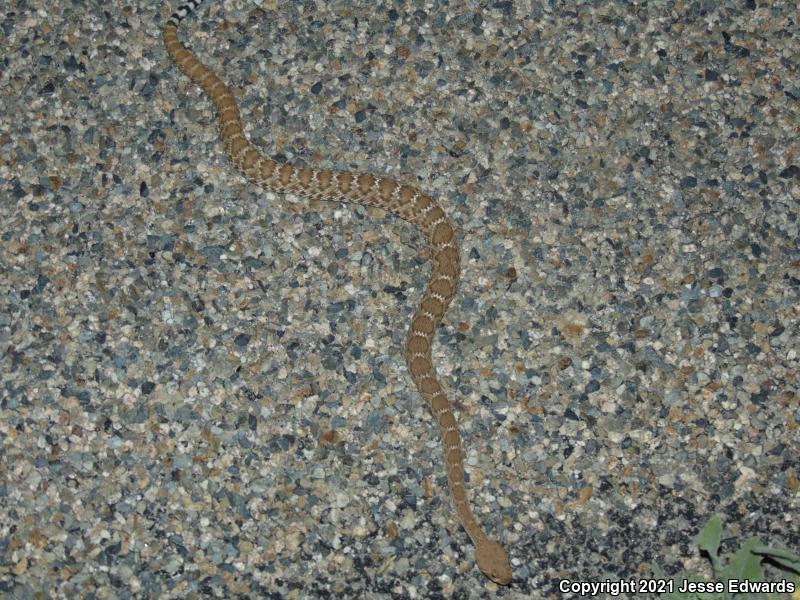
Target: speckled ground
[203, 391]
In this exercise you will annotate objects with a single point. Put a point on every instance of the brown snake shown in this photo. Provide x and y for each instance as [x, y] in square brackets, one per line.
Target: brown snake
[406, 202]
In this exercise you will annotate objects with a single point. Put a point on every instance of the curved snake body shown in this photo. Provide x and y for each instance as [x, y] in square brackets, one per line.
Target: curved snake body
[407, 203]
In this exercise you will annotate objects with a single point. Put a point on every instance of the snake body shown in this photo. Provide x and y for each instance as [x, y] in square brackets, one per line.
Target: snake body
[406, 202]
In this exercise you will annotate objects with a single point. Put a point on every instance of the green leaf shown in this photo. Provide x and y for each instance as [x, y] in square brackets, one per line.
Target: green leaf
[785, 558]
[709, 538]
[745, 564]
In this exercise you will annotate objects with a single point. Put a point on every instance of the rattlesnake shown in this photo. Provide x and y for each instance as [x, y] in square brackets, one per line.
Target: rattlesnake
[407, 203]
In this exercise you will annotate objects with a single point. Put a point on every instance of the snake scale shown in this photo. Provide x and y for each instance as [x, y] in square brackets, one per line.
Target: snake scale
[406, 202]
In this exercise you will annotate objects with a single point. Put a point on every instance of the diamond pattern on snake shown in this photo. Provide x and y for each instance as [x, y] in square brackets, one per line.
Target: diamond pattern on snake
[406, 202]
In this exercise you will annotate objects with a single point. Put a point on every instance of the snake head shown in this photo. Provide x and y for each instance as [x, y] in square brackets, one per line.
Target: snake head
[493, 561]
